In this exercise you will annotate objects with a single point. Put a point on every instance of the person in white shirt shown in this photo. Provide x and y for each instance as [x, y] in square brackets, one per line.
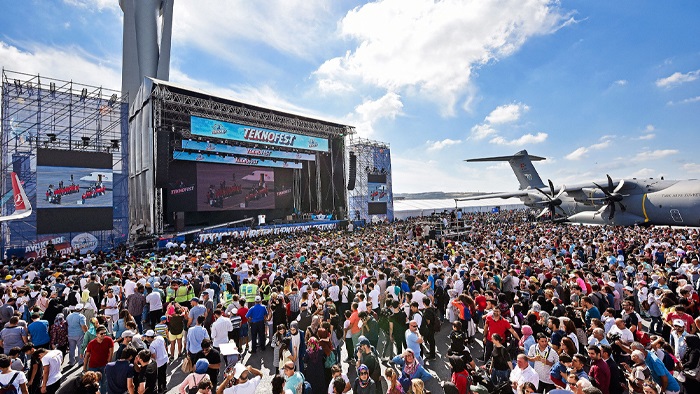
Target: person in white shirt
[7, 375]
[247, 379]
[220, 329]
[626, 335]
[522, 373]
[374, 296]
[543, 356]
[51, 362]
[156, 345]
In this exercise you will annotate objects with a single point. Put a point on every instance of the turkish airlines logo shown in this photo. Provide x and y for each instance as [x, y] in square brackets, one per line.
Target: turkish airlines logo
[18, 201]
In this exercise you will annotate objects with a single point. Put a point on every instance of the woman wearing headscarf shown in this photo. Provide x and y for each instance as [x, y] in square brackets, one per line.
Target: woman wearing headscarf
[363, 383]
[690, 361]
[59, 333]
[527, 339]
[312, 331]
[194, 378]
[410, 368]
[313, 361]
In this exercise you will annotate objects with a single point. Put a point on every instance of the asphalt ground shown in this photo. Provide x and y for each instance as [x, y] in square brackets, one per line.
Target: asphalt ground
[264, 362]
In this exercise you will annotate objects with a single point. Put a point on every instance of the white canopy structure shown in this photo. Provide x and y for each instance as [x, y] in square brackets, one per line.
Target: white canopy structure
[411, 208]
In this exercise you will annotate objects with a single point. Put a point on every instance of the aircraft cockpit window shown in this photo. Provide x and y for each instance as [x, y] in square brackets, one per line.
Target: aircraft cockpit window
[676, 216]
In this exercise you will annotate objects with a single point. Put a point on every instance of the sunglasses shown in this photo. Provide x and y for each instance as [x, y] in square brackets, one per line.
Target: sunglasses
[364, 373]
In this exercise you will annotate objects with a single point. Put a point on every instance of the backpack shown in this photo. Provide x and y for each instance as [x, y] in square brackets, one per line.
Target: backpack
[306, 386]
[668, 362]
[330, 360]
[9, 388]
[435, 319]
[351, 294]
[468, 379]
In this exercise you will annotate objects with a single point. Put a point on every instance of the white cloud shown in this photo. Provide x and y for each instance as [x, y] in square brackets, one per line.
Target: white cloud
[481, 131]
[264, 96]
[98, 5]
[677, 78]
[369, 112]
[689, 100]
[650, 128]
[583, 151]
[439, 145]
[524, 140]
[654, 155]
[642, 173]
[646, 137]
[295, 27]
[67, 63]
[620, 82]
[507, 113]
[430, 48]
[692, 167]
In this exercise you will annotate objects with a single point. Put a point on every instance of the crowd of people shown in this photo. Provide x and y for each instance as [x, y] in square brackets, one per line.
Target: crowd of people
[513, 305]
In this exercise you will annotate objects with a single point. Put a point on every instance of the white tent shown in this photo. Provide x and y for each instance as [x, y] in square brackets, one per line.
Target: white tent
[408, 208]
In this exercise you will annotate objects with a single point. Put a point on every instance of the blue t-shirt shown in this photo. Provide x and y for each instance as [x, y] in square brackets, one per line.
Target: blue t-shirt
[75, 322]
[294, 381]
[39, 330]
[195, 312]
[256, 313]
[657, 368]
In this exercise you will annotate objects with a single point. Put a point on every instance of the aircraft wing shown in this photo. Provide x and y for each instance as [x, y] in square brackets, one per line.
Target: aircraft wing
[521, 193]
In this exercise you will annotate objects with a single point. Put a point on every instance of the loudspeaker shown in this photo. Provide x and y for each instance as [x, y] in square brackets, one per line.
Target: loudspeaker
[352, 173]
[179, 221]
[162, 157]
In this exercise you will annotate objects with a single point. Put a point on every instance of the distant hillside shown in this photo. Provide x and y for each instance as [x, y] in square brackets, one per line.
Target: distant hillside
[433, 195]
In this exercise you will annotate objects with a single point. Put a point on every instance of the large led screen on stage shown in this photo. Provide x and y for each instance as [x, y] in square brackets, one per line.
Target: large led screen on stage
[206, 187]
[74, 191]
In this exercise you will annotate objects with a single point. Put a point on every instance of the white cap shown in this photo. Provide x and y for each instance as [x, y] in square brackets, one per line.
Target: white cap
[679, 322]
[150, 334]
[238, 370]
[258, 299]
[79, 307]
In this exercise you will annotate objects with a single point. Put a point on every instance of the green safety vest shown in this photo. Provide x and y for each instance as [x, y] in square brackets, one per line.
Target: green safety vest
[249, 292]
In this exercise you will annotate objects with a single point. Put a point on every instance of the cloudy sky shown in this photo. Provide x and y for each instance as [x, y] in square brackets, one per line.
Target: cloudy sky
[595, 86]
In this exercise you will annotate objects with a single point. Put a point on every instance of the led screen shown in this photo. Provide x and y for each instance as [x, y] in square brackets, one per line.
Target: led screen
[74, 191]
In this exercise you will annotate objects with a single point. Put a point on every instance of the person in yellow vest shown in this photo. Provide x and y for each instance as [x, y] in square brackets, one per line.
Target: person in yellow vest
[249, 291]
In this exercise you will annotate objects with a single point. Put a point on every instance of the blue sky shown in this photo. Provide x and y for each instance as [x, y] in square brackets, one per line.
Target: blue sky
[595, 86]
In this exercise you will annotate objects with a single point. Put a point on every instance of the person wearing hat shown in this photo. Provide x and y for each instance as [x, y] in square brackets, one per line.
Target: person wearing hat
[124, 341]
[156, 345]
[247, 380]
[256, 316]
[677, 338]
[366, 356]
[364, 384]
[77, 327]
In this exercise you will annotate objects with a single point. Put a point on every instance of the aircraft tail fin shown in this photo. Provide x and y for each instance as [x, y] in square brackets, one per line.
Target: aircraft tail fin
[521, 163]
[22, 203]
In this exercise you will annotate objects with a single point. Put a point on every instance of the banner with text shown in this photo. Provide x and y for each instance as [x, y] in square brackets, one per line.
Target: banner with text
[241, 150]
[247, 161]
[237, 132]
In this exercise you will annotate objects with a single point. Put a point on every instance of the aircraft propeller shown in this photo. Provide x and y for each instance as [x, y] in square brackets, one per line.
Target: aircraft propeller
[553, 201]
[612, 197]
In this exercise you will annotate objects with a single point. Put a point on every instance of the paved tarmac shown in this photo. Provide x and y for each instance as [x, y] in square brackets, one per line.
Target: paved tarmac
[263, 361]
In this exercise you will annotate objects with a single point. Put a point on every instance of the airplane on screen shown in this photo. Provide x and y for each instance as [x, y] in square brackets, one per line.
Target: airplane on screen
[22, 206]
[622, 202]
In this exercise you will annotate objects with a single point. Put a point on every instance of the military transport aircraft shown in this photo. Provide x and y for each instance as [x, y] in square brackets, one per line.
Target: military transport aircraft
[22, 206]
[622, 202]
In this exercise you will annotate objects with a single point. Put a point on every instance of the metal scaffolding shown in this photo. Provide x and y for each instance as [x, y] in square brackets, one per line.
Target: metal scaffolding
[373, 158]
[41, 112]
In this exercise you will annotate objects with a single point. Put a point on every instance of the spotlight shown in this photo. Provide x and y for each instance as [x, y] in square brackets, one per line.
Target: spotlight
[52, 137]
[52, 88]
[86, 141]
[115, 144]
